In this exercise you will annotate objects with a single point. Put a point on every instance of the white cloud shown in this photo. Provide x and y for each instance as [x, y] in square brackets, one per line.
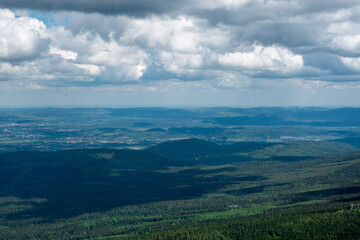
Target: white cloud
[140, 69]
[211, 42]
[180, 62]
[90, 68]
[116, 61]
[21, 38]
[57, 54]
[184, 42]
[343, 28]
[6, 13]
[67, 55]
[131, 73]
[263, 58]
[349, 43]
[6, 69]
[179, 34]
[214, 4]
[34, 86]
[353, 63]
[151, 89]
[233, 80]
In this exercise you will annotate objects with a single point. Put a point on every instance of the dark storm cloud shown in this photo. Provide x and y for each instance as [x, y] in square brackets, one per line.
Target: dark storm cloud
[131, 7]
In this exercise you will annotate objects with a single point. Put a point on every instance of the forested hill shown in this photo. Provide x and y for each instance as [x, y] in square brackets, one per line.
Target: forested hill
[197, 151]
[91, 159]
[189, 149]
[105, 178]
[107, 192]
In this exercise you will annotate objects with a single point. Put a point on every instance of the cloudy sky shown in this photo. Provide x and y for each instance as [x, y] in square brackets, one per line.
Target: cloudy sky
[180, 53]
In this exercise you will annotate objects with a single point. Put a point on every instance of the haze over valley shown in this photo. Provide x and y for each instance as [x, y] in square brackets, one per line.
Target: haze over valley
[157, 119]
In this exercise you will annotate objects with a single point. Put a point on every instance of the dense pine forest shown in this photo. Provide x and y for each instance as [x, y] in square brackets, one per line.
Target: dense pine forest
[321, 221]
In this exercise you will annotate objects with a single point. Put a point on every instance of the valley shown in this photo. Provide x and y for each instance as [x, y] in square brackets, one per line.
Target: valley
[187, 183]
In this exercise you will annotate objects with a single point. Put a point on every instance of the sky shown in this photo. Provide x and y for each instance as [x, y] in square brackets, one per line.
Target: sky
[130, 53]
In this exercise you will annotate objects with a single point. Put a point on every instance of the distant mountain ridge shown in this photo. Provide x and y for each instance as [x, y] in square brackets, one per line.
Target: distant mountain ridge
[290, 116]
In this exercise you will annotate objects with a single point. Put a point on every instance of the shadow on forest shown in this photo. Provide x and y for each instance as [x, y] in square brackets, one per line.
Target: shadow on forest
[250, 190]
[290, 158]
[74, 190]
[320, 194]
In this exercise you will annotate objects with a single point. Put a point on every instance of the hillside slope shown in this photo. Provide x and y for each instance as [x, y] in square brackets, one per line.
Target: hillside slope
[196, 151]
[77, 181]
[188, 149]
[93, 193]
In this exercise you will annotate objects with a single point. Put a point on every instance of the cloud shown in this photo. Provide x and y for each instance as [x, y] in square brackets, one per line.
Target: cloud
[21, 38]
[352, 63]
[295, 34]
[29, 51]
[263, 58]
[239, 10]
[180, 62]
[90, 69]
[67, 55]
[179, 34]
[6, 13]
[233, 80]
[102, 43]
[348, 43]
[131, 7]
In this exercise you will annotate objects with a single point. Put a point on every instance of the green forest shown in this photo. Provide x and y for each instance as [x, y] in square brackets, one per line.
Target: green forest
[320, 221]
[187, 189]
